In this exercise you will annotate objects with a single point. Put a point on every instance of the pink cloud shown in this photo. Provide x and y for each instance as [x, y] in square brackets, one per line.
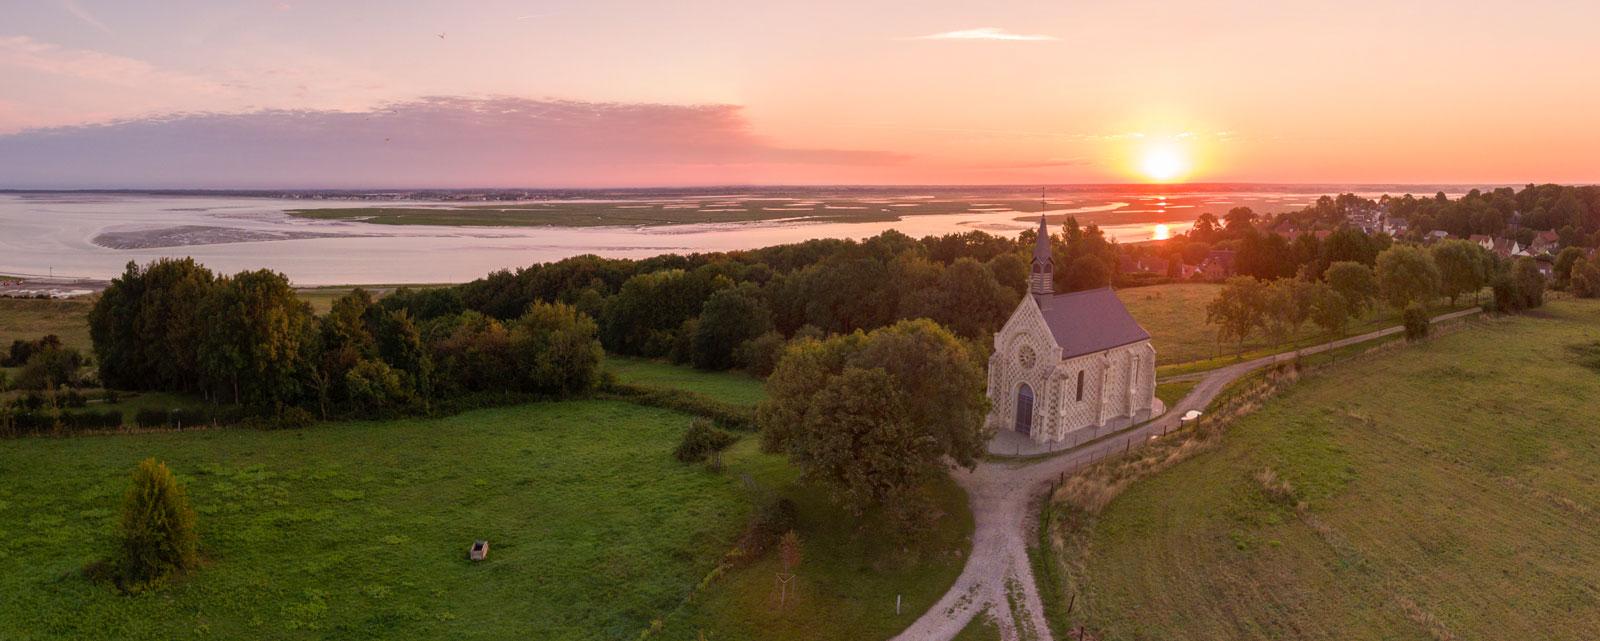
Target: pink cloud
[431, 142]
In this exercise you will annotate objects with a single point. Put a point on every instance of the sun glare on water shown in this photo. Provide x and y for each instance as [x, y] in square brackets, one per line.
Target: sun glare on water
[1163, 164]
[1160, 232]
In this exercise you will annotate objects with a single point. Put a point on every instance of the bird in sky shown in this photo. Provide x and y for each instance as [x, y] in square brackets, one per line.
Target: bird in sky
[441, 35]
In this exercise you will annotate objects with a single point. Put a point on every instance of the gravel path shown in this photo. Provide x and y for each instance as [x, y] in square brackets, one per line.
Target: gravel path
[1002, 494]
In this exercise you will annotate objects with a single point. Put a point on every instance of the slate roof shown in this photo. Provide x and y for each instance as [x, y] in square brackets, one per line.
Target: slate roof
[1089, 321]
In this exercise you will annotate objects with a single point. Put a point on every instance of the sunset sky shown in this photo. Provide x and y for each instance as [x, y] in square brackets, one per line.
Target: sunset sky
[251, 93]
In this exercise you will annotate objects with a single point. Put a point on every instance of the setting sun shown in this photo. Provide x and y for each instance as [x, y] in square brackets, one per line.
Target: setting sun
[1163, 164]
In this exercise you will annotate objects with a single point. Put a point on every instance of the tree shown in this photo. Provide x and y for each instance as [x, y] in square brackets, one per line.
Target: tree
[875, 417]
[1240, 220]
[1463, 267]
[50, 368]
[730, 317]
[1416, 322]
[759, 355]
[1238, 309]
[555, 350]
[966, 299]
[1406, 275]
[257, 340]
[1329, 309]
[1355, 283]
[1564, 263]
[1584, 279]
[1011, 270]
[157, 529]
[112, 329]
[1530, 282]
[1086, 272]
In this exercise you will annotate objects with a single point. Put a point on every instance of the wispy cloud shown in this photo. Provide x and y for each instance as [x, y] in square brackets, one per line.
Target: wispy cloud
[436, 142]
[80, 13]
[84, 64]
[986, 33]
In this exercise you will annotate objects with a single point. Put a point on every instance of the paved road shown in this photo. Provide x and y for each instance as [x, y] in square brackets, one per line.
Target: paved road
[1002, 496]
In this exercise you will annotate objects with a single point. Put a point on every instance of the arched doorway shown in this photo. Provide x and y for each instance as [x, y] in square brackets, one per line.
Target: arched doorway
[1025, 409]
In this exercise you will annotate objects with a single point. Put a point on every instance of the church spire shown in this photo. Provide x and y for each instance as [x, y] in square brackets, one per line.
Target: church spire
[1042, 275]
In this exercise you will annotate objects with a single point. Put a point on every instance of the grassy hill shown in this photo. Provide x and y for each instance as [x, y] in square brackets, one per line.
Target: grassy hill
[1450, 490]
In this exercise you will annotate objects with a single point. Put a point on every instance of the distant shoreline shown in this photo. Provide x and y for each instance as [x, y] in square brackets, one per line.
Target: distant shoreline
[630, 193]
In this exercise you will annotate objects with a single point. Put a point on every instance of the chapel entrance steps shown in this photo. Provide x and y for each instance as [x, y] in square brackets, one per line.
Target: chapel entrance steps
[1011, 444]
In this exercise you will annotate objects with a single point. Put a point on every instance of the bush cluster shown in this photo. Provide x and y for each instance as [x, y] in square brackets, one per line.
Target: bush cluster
[702, 440]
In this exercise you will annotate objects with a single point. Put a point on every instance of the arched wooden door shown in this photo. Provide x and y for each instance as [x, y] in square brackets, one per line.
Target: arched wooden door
[1025, 409]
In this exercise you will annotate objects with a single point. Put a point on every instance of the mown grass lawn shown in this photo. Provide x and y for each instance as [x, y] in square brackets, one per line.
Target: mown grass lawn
[1451, 491]
[729, 387]
[360, 530]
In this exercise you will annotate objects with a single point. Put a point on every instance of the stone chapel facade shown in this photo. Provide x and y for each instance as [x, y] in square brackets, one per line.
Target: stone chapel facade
[1069, 365]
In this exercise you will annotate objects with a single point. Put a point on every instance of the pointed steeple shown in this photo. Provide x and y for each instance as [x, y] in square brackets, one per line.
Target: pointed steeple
[1042, 274]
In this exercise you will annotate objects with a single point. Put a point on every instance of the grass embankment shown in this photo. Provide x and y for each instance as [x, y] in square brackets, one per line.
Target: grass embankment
[1175, 316]
[1447, 490]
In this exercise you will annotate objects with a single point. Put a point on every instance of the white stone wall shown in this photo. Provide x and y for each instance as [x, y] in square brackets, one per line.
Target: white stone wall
[1118, 384]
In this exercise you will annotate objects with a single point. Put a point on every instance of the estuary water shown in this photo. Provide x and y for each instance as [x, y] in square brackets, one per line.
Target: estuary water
[92, 235]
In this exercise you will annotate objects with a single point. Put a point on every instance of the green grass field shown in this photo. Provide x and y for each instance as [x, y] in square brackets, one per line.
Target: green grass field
[1175, 316]
[730, 387]
[359, 530]
[27, 319]
[1451, 491]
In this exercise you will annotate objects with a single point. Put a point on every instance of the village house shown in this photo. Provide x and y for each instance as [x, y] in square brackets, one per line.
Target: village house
[1545, 242]
[1218, 264]
[1066, 365]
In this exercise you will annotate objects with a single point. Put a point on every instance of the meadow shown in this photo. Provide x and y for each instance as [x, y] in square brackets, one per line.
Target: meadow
[733, 387]
[1445, 490]
[1175, 316]
[31, 318]
[359, 530]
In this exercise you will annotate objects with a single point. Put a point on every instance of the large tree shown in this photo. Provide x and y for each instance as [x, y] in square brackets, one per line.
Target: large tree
[258, 342]
[874, 417]
[1356, 283]
[1238, 309]
[729, 318]
[1463, 267]
[1406, 275]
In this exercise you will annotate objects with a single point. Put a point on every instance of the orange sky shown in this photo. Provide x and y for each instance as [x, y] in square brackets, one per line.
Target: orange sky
[883, 92]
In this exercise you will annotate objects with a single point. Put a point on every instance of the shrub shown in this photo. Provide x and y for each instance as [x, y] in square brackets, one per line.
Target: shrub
[49, 368]
[157, 529]
[702, 440]
[769, 523]
[1416, 322]
[149, 418]
[759, 355]
[91, 420]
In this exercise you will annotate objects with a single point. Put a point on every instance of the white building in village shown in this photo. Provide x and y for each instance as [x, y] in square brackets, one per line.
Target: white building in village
[1069, 365]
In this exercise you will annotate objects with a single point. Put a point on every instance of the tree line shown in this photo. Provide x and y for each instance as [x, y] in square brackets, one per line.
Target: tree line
[248, 340]
[1407, 278]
